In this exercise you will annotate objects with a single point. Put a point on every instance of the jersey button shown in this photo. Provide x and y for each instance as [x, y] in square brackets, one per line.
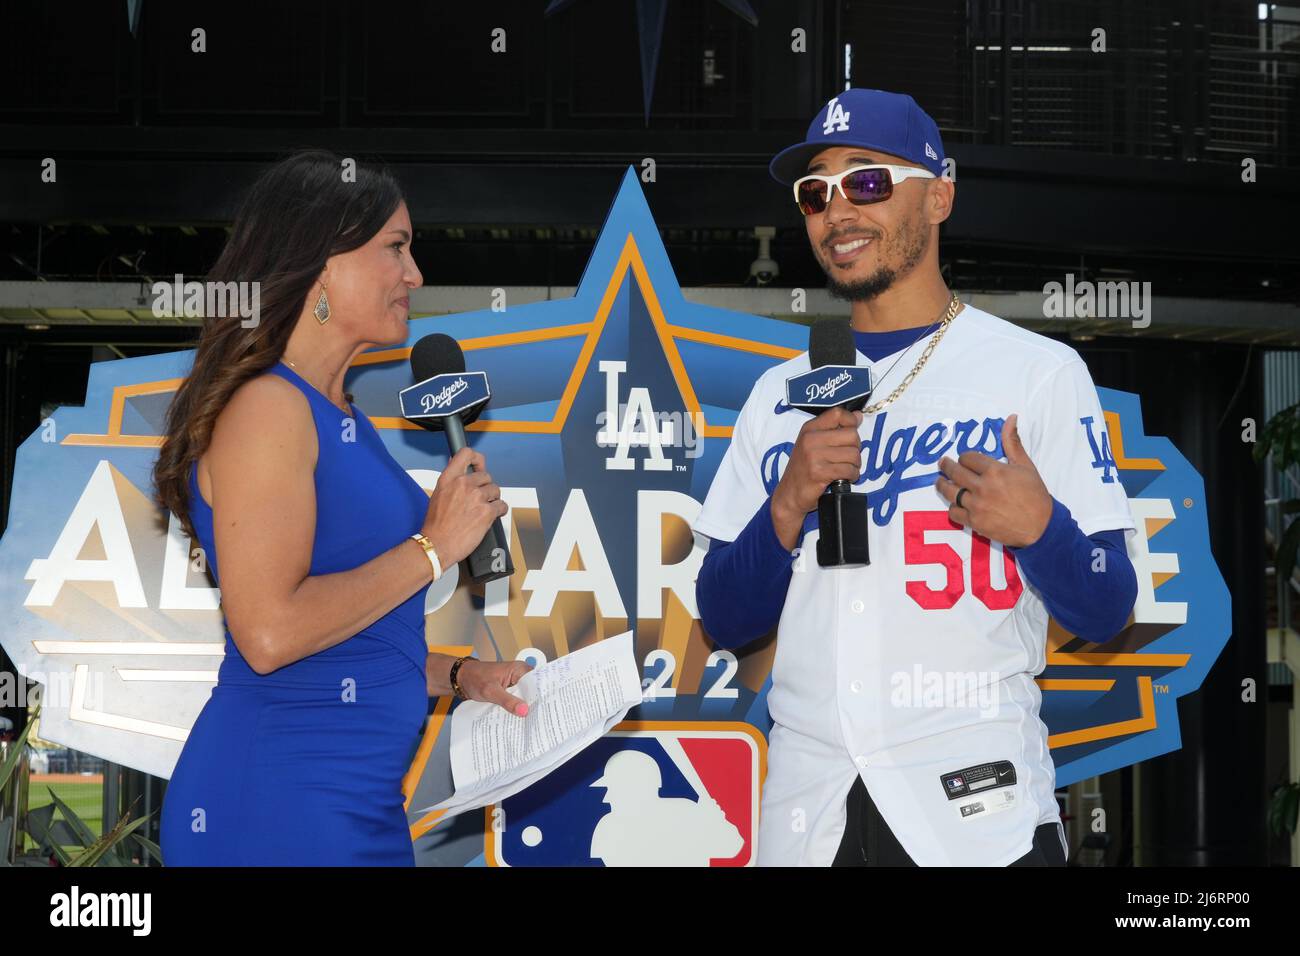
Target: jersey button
[856, 687]
[860, 760]
[857, 607]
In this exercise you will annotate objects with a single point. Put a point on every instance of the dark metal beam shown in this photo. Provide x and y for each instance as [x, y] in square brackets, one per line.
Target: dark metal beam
[1005, 195]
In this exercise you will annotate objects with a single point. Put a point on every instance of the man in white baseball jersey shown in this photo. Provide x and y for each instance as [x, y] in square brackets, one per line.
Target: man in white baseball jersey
[905, 713]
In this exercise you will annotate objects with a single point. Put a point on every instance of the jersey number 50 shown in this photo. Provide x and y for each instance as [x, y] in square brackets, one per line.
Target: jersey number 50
[917, 551]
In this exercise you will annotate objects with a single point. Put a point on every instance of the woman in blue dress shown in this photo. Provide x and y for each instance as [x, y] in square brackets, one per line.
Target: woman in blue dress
[321, 543]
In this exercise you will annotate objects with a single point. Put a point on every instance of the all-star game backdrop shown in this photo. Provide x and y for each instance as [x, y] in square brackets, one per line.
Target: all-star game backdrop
[97, 590]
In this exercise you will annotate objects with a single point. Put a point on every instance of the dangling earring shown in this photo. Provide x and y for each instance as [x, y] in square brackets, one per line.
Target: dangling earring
[322, 310]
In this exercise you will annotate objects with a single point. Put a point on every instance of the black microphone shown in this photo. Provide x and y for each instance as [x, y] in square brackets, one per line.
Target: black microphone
[448, 404]
[842, 514]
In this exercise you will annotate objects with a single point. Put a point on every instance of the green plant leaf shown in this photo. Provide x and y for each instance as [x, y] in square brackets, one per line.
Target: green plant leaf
[1281, 437]
[1282, 807]
[43, 828]
[83, 832]
[1290, 808]
[146, 844]
[100, 849]
[64, 856]
[15, 753]
[1275, 815]
[39, 823]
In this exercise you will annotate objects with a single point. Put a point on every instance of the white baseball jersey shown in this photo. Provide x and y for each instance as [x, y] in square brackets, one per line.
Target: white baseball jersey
[916, 672]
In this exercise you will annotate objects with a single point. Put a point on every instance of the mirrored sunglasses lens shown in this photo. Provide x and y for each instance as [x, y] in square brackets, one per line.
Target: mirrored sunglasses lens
[868, 186]
[812, 197]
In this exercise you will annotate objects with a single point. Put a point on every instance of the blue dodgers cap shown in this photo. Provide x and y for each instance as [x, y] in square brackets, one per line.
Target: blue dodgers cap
[872, 119]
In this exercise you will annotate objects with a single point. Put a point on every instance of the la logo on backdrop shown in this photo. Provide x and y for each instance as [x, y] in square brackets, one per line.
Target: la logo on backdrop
[609, 415]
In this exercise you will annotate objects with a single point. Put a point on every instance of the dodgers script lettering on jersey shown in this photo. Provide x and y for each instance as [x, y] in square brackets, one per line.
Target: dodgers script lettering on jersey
[893, 455]
[918, 669]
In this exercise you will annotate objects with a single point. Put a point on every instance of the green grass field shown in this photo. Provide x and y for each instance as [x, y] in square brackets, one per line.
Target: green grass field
[85, 799]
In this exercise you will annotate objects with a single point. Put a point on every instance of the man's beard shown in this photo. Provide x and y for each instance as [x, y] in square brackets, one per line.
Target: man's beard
[913, 243]
[861, 290]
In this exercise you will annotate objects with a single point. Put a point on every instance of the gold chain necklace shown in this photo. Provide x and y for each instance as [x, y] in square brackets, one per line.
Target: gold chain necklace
[347, 411]
[948, 316]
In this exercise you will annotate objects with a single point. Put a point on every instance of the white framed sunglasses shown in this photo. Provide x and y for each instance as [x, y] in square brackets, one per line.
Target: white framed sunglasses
[860, 185]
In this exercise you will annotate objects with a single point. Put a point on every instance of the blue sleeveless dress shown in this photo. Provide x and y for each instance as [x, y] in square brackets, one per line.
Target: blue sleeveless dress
[303, 766]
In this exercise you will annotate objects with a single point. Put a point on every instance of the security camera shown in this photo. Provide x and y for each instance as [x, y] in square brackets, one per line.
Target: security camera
[764, 269]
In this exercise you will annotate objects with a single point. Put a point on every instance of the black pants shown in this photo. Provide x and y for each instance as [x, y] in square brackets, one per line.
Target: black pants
[868, 841]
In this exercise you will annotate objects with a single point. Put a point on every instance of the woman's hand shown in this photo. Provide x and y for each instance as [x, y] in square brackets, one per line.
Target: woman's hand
[488, 680]
[462, 506]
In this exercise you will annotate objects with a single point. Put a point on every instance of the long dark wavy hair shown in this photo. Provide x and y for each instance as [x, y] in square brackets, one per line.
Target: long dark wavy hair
[297, 214]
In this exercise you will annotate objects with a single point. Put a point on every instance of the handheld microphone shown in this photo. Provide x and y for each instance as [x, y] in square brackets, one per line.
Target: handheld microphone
[447, 398]
[836, 380]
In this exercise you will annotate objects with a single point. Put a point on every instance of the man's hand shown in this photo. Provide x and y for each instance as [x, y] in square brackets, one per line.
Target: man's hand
[1006, 501]
[827, 449]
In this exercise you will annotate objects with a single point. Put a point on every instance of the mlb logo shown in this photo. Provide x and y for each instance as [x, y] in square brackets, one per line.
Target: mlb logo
[954, 783]
[648, 793]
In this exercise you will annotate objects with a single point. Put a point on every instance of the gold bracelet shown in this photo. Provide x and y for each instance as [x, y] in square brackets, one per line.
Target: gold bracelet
[454, 677]
[425, 543]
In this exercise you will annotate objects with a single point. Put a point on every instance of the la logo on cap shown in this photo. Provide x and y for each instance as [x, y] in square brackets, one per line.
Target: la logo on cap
[837, 119]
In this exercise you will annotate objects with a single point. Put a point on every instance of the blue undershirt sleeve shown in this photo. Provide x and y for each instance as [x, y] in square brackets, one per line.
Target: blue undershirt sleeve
[741, 587]
[1087, 582]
